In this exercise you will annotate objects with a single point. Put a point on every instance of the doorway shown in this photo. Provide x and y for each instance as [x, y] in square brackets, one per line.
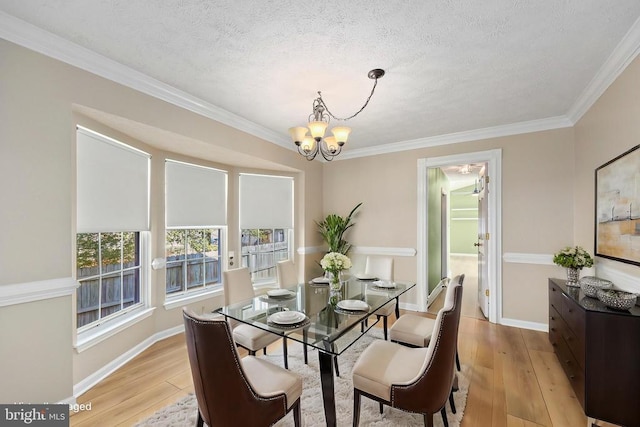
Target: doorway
[470, 180]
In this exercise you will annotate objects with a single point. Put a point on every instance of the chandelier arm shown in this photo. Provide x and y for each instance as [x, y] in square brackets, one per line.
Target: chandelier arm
[375, 83]
[328, 156]
[309, 156]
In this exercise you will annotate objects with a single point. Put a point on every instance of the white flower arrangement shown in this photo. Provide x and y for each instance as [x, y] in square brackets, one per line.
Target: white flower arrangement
[573, 257]
[335, 262]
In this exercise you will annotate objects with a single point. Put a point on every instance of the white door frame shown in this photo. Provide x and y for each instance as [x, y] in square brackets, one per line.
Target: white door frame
[493, 158]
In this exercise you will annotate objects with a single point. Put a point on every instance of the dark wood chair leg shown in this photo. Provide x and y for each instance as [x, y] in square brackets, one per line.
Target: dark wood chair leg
[443, 412]
[252, 352]
[200, 421]
[457, 360]
[356, 407]
[335, 364]
[384, 325]
[452, 403]
[428, 420]
[397, 308]
[264, 351]
[285, 352]
[304, 346]
[381, 407]
[297, 414]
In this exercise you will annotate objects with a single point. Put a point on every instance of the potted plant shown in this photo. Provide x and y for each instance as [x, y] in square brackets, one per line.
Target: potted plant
[332, 229]
[573, 259]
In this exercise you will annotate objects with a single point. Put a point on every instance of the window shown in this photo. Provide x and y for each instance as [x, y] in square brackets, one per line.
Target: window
[193, 259]
[262, 249]
[266, 222]
[196, 211]
[112, 216]
[108, 269]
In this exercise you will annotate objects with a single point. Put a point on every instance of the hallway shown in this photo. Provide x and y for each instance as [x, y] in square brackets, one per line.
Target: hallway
[467, 265]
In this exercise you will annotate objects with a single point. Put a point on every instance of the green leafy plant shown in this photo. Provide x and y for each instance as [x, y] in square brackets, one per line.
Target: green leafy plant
[573, 257]
[332, 229]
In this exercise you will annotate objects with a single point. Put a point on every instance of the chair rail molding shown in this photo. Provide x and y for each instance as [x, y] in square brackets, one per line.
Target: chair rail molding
[523, 258]
[306, 250]
[384, 251]
[19, 293]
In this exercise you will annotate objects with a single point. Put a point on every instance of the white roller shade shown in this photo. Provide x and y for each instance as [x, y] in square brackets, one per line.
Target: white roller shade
[196, 196]
[112, 185]
[266, 201]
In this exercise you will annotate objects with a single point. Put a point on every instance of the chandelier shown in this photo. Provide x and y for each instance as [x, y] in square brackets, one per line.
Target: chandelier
[310, 140]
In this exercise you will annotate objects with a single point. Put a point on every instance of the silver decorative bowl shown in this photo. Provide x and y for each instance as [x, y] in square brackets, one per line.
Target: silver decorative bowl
[618, 300]
[591, 284]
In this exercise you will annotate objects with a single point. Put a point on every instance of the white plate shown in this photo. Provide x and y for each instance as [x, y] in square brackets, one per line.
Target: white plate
[353, 304]
[384, 284]
[280, 293]
[320, 280]
[363, 276]
[287, 317]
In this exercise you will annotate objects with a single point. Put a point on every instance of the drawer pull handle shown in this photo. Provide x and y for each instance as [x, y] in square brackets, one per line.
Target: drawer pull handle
[553, 329]
[568, 362]
[552, 318]
[571, 377]
[554, 344]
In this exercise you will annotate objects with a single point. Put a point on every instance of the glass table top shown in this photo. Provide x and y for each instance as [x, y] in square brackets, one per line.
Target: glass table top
[314, 314]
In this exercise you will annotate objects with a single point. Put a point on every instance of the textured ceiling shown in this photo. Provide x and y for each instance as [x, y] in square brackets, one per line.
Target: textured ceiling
[452, 66]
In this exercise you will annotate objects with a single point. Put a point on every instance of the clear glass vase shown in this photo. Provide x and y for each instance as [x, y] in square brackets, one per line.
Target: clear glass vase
[335, 280]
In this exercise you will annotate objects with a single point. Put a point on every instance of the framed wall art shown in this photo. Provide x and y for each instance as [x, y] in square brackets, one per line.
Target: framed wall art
[617, 217]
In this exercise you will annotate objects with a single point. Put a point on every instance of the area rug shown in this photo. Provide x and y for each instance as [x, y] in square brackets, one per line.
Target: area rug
[184, 412]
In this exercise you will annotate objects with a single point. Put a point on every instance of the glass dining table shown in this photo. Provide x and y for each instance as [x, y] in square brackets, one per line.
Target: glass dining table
[320, 318]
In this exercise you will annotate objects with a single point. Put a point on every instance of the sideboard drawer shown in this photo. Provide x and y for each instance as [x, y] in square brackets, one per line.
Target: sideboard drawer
[555, 297]
[574, 315]
[575, 372]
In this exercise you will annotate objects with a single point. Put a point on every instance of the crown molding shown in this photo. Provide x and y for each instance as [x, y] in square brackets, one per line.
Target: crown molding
[550, 123]
[625, 52]
[46, 43]
[27, 35]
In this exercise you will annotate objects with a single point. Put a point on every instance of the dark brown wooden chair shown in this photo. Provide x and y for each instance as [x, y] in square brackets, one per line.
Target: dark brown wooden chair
[417, 380]
[233, 391]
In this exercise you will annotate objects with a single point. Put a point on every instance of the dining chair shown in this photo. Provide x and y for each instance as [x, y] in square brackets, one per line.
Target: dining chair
[416, 331]
[382, 268]
[286, 273]
[237, 288]
[234, 391]
[416, 379]
[287, 277]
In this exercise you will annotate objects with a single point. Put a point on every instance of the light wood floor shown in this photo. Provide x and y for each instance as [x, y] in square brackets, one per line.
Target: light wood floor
[516, 381]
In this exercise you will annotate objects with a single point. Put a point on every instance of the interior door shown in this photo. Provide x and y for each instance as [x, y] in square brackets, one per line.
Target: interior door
[483, 238]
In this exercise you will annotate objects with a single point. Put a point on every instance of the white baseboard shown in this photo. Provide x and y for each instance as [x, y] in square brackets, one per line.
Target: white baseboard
[68, 401]
[409, 307]
[523, 324]
[120, 361]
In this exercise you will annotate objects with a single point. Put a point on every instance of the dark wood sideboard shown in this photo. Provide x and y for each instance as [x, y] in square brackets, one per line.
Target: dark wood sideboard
[599, 350]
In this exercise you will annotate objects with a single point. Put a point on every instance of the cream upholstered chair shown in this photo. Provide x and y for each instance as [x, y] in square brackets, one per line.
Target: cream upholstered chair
[412, 379]
[382, 268]
[238, 287]
[287, 276]
[286, 272]
[234, 391]
[413, 330]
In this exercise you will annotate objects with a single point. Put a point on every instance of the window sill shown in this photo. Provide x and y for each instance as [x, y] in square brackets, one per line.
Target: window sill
[93, 336]
[184, 299]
